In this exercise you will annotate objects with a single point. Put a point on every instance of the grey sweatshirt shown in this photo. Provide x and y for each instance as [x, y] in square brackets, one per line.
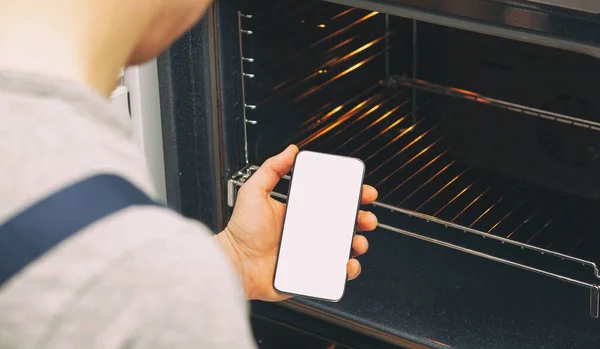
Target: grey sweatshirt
[143, 277]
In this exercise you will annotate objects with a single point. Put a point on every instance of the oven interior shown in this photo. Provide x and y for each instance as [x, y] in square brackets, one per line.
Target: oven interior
[486, 145]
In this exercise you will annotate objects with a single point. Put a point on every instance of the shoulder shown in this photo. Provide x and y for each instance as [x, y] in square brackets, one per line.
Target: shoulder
[51, 139]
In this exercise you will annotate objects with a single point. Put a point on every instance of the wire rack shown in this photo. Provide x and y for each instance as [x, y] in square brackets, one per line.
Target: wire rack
[419, 176]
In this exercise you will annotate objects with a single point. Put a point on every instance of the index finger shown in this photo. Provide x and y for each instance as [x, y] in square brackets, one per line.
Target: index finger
[369, 194]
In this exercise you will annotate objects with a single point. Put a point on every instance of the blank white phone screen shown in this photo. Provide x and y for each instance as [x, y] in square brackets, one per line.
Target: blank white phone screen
[319, 225]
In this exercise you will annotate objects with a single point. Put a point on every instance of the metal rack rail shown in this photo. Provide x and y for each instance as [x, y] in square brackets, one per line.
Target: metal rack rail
[475, 97]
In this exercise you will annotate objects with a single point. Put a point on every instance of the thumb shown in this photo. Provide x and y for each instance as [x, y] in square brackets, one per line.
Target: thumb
[269, 174]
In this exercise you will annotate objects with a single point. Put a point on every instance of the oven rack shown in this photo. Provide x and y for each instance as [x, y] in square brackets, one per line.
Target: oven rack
[242, 176]
[432, 186]
[378, 126]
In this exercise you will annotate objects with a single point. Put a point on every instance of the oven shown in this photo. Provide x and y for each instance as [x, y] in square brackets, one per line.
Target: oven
[479, 123]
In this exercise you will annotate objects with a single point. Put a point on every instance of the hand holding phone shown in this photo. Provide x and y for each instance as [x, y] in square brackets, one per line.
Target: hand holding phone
[320, 221]
[252, 237]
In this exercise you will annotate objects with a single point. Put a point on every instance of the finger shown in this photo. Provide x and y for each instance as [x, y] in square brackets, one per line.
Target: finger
[360, 245]
[367, 221]
[353, 268]
[369, 194]
[269, 174]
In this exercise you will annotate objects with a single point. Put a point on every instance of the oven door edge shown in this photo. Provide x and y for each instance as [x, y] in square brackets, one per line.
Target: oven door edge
[188, 83]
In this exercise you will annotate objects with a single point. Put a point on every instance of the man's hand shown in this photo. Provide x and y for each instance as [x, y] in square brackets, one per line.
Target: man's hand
[251, 239]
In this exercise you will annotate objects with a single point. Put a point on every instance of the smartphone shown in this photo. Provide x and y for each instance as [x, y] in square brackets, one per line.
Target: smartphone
[319, 225]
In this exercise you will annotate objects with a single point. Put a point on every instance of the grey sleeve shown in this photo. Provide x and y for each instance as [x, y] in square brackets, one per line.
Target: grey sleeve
[150, 288]
[195, 297]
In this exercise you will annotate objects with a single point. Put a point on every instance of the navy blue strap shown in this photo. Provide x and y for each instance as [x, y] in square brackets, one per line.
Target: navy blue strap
[40, 227]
